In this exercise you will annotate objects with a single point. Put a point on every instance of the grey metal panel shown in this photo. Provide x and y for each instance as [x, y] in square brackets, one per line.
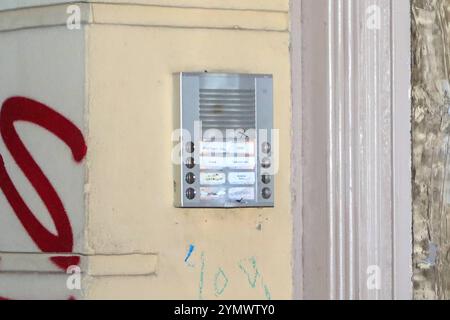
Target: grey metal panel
[264, 101]
[222, 101]
[190, 86]
[176, 124]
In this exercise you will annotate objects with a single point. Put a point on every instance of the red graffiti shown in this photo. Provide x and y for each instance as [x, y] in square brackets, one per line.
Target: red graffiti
[24, 109]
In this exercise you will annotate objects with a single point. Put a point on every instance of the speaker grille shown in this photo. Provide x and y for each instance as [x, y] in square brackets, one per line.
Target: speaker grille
[227, 109]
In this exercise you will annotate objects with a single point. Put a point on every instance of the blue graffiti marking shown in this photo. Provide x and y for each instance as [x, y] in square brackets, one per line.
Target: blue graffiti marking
[220, 274]
[267, 291]
[202, 277]
[252, 276]
[190, 251]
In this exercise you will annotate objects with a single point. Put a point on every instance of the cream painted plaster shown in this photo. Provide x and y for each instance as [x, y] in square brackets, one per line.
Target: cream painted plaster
[136, 242]
[131, 187]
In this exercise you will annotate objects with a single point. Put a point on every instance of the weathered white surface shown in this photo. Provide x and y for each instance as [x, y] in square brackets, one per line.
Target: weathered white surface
[357, 227]
[46, 65]
[13, 4]
[33, 286]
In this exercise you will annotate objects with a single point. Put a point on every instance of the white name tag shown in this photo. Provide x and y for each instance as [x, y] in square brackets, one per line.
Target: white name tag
[212, 193]
[239, 194]
[212, 178]
[241, 148]
[243, 178]
[218, 148]
[212, 163]
[241, 163]
[235, 163]
[210, 148]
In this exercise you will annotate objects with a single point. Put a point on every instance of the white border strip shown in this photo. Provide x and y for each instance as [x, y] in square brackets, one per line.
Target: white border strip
[401, 55]
[296, 150]
[354, 193]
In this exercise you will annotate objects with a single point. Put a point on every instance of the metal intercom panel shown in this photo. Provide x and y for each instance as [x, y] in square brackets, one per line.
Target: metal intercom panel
[224, 150]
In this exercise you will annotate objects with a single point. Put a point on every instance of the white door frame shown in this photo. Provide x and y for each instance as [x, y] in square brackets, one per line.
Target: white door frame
[351, 153]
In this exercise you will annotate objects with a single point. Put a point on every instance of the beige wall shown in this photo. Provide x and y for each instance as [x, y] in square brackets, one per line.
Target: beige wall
[130, 69]
[135, 241]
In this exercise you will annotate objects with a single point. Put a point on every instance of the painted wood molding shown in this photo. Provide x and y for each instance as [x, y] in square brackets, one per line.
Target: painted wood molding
[355, 135]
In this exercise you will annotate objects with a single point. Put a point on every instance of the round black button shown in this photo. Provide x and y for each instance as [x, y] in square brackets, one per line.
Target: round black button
[190, 163]
[266, 163]
[266, 148]
[266, 193]
[190, 178]
[190, 147]
[266, 179]
[190, 193]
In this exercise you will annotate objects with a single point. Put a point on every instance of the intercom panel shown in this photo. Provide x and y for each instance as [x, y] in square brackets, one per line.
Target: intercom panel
[224, 143]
